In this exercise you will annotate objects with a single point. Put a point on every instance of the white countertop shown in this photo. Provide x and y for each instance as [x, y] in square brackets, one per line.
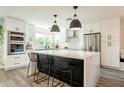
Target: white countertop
[77, 54]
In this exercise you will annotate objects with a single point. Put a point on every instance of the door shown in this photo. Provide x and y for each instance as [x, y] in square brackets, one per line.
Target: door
[105, 31]
[115, 29]
[10, 24]
[105, 53]
[20, 26]
[115, 53]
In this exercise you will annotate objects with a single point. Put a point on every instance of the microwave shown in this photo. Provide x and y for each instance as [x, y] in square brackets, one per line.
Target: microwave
[16, 49]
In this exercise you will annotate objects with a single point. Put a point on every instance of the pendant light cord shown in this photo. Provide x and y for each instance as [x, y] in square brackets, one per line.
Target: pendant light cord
[75, 15]
[75, 11]
[55, 18]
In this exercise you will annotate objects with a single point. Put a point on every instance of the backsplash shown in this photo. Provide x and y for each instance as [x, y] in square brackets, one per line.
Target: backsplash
[77, 42]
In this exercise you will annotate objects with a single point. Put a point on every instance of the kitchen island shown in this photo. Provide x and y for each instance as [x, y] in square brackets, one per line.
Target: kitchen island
[89, 61]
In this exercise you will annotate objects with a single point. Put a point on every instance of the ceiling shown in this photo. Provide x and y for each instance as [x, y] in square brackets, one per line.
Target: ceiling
[43, 15]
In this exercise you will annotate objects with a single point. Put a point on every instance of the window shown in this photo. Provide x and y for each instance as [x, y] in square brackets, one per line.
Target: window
[43, 40]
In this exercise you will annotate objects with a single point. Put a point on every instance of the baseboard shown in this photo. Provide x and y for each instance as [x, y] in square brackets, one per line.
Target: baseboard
[15, 67]
[121, 68]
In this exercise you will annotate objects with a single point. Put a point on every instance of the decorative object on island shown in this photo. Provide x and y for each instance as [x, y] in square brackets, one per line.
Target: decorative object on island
[75, 23]
[57, 46]
[55, 27]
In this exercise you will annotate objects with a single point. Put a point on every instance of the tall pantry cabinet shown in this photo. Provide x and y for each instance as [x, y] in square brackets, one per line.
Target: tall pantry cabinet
[110, 42]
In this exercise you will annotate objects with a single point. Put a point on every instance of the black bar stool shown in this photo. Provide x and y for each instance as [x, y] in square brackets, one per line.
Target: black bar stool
[44, 65]
[62, 65]
[33, 60]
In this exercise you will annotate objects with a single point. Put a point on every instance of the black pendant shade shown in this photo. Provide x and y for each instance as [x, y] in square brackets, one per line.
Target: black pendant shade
[75, 23]
[55, 27]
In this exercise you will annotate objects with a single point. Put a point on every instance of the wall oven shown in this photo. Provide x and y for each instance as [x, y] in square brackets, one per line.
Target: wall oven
[16, 43]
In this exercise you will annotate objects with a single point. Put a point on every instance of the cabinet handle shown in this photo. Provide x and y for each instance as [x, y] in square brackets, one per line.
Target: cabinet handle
[108, 37]
[17, 29]
[16, 57]
[108, 43]
[16, 63]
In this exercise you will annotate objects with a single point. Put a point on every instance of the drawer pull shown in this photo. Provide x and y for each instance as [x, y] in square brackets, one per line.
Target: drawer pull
[16, 63]
[16, 57]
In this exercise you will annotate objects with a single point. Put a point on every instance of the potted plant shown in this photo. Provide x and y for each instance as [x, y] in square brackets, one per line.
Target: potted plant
[1, 40]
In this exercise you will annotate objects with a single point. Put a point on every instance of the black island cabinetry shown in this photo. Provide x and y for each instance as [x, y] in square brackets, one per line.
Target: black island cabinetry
[77, 72]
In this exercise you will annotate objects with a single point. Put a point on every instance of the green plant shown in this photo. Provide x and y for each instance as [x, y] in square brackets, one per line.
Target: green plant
[1, 39]
[1, 35]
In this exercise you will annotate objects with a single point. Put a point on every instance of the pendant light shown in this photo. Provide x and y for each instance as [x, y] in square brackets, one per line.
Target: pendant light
[55, 27]
[75, 23]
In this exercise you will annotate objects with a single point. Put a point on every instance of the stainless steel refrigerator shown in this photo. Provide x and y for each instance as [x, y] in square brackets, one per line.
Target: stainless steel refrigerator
[92, 42]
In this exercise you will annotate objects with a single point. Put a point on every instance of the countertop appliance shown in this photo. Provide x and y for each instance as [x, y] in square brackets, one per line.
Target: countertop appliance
[92, 42]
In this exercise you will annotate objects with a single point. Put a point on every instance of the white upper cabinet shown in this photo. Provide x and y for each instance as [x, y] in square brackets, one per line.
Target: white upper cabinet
[20, 26]
[13, 24]
[10, 24]
[105, 30]
[92, 28]
[115, 29]
[110, 29]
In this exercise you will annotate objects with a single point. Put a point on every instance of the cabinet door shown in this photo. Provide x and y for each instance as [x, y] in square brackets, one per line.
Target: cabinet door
[20, 26]
[105, 31]
[16, 60]
[10, 24]
[105, 53]
[115, 29]
[115, 53]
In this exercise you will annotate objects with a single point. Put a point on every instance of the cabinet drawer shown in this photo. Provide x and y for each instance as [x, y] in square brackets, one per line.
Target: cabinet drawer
[16, 60]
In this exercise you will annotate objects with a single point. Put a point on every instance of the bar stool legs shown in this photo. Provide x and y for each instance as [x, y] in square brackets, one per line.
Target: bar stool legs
[60, 81]
[62, 78]
[34, 74]
[47, 77]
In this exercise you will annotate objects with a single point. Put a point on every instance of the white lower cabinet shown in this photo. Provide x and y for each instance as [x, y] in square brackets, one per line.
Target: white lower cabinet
[110, 53]
[105, 53]
[14, 61]
[115, 54]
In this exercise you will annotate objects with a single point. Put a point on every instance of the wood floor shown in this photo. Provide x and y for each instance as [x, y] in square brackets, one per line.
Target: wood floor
[18, 78]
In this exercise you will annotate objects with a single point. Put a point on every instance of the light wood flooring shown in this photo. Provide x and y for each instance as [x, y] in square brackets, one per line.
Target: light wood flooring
[18, 78]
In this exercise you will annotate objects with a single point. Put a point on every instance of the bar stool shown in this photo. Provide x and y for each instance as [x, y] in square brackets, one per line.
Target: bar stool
[33, 60]
[62, 64]
[44, 65]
